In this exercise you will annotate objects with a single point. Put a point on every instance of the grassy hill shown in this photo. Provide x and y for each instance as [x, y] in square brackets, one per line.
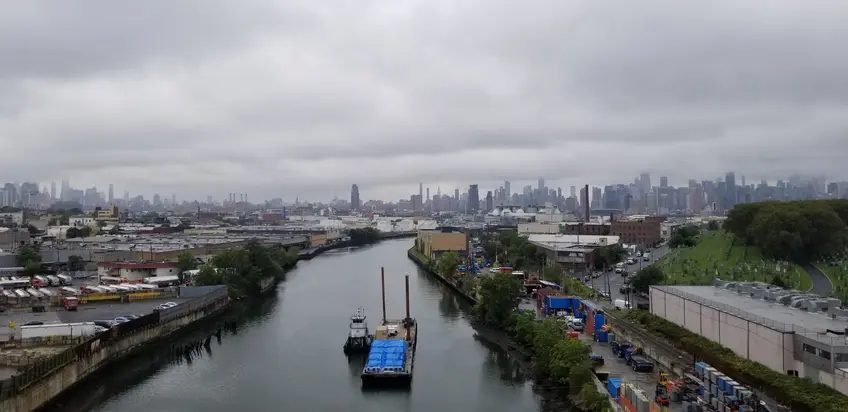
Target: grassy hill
[717, 255]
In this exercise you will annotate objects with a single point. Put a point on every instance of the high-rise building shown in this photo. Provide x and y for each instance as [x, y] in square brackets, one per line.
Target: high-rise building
[473, 199]
[663, 181]
[111, 197]
[53, 190]
[730, 190]
[573, 191]
[354, 197]
[507, 189]
[421, 190]
[489, 201]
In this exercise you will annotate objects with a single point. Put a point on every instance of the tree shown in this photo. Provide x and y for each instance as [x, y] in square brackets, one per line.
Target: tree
[552, 274]
[610, 255]
[651, 275]
[32, 230]
[363, 236]
[447, 264]
[778, 281]
[208, 275]
[72, 233]
[76, 263]
[85, 231]
[499, 295]
[713, 225]
[185, 262]
[28, 254]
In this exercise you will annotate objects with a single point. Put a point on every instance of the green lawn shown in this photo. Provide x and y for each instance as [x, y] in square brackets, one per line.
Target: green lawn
[716, 255]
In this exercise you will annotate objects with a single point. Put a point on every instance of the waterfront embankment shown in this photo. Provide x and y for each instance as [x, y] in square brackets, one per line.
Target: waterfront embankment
[38, 383]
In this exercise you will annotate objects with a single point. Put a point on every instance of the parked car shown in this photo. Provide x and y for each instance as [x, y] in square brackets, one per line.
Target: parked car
[33, 323]
[121, 319]
[576, 324]
[105, 323]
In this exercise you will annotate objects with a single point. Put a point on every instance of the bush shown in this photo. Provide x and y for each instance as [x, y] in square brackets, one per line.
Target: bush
[797, 393]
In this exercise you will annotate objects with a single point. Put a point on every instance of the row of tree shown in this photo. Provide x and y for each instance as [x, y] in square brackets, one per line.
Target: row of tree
[363, 236]
[807, 230]
[245, 270]
[557, 358]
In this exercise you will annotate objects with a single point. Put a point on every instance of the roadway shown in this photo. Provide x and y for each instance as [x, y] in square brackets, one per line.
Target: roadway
[616, 281]
[822, 285]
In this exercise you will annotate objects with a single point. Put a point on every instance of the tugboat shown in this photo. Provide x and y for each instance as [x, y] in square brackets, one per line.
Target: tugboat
[358, 340]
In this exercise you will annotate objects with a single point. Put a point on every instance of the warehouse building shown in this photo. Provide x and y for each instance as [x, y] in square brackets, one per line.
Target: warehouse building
[791, 332]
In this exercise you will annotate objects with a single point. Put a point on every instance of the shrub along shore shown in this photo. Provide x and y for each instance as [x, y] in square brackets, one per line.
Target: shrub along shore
[555, 360]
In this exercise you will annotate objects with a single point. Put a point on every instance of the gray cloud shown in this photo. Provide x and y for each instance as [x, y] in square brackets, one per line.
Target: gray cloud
[303, 98]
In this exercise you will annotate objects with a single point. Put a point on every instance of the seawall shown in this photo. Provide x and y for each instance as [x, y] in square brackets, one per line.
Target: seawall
[36, 385]
[428, 266]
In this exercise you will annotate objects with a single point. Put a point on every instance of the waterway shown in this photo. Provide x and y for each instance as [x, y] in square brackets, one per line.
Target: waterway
[286, 352]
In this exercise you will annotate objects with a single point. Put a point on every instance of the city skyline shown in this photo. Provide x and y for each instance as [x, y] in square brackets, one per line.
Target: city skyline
[108, 193]
[385, 95]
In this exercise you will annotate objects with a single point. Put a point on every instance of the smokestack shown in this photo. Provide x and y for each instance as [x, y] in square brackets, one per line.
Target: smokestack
[586, 202]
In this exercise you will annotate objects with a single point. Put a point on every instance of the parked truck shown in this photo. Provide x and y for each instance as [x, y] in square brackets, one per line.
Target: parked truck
[70, 302]
[59, 329]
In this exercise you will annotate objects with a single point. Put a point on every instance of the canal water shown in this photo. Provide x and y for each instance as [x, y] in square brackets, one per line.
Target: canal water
[286, 352]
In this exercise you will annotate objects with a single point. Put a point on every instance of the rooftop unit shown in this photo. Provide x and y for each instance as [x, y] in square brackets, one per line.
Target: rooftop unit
[808, 302]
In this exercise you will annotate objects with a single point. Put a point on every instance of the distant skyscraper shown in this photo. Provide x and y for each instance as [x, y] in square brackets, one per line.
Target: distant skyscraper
[473, 199]
[428, 201]
[489, 201]
[507, 189]
[421, 190]
[730, 188]
[573, 191]
[354, 197]
[53, 190]
[111, 197]
[645, 182]
[663, 181]
[173, 196]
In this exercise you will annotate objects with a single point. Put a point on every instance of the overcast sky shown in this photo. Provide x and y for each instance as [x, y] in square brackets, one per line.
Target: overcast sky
[305, 97]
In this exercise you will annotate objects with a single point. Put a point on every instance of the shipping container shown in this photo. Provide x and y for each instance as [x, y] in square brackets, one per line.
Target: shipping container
[614, 387]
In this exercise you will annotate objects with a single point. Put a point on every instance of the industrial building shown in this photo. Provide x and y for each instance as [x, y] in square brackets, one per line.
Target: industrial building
[134, 271]
[788, 331]
[571, 251]
[433, 243]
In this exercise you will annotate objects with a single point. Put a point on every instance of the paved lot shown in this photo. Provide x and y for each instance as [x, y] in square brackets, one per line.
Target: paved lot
[86, 313]
[617, 368]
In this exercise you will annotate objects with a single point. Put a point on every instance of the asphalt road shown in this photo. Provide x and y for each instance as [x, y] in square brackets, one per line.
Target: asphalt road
[822, 285]
[616, 281]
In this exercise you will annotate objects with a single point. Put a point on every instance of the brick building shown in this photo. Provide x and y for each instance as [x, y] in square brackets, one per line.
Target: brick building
[638, 230]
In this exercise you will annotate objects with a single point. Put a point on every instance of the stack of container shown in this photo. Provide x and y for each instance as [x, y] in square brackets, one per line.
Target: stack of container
[595, 318]
[633, 399]
[720, 391]
[386, 356]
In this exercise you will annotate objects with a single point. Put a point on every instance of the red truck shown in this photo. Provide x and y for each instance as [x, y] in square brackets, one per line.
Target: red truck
[70, 302]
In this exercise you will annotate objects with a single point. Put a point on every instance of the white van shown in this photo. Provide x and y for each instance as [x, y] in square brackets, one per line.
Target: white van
[620, 304]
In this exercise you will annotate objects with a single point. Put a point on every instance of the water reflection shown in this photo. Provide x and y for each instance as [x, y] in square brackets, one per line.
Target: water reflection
[122, 376]
[500, 364]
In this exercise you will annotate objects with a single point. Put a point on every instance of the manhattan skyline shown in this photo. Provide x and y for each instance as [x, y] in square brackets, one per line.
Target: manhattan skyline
[303, 98]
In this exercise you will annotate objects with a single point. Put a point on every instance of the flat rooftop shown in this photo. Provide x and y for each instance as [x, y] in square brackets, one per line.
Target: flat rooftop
[759, 310]
[574, 240]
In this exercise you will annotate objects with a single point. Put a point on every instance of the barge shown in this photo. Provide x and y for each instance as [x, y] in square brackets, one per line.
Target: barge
[392, 355]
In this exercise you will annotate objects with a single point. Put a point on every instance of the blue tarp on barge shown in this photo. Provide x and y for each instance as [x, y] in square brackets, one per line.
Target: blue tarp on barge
[386, 355]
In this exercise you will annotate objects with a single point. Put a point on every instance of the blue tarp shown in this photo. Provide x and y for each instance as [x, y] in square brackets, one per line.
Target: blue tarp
[387, 354]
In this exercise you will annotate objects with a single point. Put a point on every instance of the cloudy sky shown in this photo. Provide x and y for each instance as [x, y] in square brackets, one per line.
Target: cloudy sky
[303, 98]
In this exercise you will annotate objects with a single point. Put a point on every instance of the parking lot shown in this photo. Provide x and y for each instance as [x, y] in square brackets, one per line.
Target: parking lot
[86, 313]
